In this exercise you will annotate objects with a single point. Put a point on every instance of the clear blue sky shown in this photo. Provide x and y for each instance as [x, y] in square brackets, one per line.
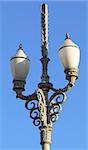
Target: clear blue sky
[20, 22]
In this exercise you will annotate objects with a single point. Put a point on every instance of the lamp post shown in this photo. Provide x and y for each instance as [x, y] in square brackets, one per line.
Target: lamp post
[44, 110]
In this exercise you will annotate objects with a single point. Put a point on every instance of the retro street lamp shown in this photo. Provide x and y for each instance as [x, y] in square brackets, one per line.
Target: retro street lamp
[44, 110]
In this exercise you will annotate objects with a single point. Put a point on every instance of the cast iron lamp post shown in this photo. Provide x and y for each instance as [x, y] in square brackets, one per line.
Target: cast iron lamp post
[44, 110]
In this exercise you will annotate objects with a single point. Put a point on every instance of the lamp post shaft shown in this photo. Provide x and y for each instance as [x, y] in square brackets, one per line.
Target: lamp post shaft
[44, 42]
[46, 146]
[45, 59]
[44, 29]
[45, 132]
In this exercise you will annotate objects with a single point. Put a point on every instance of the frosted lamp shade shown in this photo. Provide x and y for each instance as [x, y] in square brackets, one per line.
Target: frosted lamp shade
[69, 54]
[20, 66]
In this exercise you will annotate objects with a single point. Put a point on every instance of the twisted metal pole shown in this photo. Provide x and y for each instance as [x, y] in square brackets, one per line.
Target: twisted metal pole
[45, 131]
[44, 29]
[44, 43]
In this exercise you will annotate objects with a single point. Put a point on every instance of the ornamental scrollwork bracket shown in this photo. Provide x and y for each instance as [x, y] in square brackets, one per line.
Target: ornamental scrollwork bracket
[37, 108]
[36, 104]
[56, 100]
[32, 106]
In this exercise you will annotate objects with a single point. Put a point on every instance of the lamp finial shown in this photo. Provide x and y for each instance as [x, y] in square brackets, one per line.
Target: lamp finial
[20, 46]
[67, 36]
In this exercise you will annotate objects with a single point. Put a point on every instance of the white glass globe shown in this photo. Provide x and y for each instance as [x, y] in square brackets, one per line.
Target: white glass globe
[20, 65]
[69, 54]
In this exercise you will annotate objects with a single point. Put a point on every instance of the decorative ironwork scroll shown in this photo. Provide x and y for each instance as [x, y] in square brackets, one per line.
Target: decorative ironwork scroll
[56, 101]
[38, 107]
[32, 106]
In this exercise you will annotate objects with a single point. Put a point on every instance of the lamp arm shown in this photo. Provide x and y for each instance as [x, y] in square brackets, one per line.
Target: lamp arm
[63, 90]
[67, 87]
[20, 95]
[70, 84]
